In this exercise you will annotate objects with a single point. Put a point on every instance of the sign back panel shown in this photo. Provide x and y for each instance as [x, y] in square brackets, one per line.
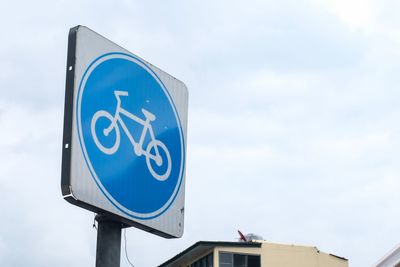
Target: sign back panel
[124, 143]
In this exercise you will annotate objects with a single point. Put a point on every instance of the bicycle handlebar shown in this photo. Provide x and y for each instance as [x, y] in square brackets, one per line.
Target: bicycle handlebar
[120, 93]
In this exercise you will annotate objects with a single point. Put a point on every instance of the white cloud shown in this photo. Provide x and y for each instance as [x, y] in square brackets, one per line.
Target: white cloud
[351, 148]
[356, 14]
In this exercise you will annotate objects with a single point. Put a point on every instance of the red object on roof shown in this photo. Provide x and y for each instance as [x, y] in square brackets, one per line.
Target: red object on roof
[242, 237]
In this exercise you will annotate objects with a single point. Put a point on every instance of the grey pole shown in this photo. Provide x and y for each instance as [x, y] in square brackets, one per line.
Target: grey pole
[108, 249]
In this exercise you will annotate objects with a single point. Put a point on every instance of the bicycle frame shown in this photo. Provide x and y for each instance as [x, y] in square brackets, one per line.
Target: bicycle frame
[146, 127]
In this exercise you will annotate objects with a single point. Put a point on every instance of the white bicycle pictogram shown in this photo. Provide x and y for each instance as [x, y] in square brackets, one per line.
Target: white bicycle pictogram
[154, 145]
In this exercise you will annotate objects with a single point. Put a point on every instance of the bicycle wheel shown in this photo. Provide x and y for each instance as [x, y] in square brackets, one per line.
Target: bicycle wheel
[162, 161]
[106, 133]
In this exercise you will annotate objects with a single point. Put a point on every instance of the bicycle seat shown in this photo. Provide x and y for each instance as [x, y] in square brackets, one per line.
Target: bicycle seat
[148, 115]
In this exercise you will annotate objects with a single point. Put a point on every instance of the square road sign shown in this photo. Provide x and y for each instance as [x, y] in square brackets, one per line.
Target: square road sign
[124, 143]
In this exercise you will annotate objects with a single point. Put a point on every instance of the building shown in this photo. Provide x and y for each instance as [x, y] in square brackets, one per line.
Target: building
[392, 259]
[253, 254]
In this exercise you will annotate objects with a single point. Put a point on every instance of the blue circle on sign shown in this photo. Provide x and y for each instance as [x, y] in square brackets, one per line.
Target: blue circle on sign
[130, 135]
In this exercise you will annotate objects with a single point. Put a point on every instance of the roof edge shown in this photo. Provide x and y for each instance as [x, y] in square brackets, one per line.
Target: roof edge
[212, 244]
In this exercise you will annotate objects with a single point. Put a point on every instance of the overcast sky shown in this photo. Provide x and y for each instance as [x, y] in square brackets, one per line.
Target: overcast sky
[293, 123]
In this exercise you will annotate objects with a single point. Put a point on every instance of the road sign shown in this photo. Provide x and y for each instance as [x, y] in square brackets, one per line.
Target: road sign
[124, 136]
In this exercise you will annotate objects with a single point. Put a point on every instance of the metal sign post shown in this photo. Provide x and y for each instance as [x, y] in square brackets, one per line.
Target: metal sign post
[124, 143]
[108, 248]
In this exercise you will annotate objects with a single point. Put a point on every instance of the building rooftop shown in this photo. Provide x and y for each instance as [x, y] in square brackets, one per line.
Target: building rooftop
[201, 248]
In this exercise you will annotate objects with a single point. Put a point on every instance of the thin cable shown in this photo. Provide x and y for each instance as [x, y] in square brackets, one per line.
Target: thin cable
[126, 251]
